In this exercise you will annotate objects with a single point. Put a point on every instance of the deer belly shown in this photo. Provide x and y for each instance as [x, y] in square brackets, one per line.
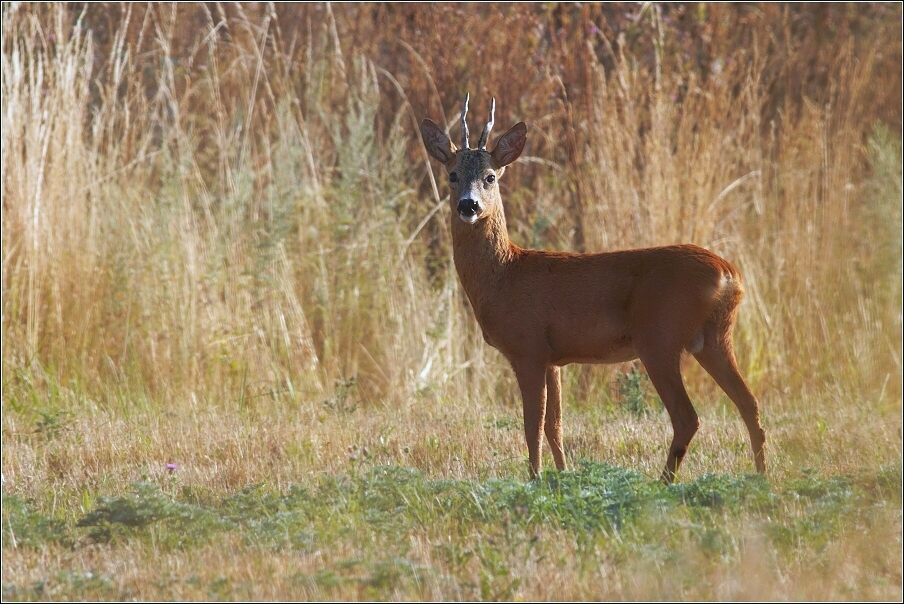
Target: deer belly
[590, 346]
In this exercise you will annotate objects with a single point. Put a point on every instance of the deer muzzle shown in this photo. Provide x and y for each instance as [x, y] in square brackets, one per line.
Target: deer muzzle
[468, 209]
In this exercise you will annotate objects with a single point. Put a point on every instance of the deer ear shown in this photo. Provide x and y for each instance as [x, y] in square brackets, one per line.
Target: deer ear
[437, 143]
[510, 145]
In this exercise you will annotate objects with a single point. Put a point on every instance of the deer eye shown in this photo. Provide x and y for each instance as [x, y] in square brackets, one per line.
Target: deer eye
[453, 177]
[490, 179]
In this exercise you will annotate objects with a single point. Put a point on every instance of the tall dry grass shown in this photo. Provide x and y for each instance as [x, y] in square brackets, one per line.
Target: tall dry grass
[212, 214]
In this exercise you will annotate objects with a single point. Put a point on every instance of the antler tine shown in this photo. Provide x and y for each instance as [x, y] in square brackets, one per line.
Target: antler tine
[482, 145]
[464, 123]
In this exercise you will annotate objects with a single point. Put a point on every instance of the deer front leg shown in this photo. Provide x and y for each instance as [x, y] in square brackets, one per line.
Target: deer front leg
[532, 381]
[553, 423]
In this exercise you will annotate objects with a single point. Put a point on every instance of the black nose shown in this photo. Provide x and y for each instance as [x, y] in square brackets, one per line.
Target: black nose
[467, 207]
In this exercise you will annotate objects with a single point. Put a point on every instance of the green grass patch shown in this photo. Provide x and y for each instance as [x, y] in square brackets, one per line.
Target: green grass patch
[480, 534]
[388, 503]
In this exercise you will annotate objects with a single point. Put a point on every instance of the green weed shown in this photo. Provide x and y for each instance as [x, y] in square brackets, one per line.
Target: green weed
[24, 526]
[633, 389]
[142, 511]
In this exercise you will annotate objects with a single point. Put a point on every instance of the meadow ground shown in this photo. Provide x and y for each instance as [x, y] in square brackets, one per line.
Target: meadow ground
[237, 362]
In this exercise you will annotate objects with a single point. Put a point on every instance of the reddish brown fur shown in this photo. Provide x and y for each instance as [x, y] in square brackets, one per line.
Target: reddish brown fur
[543, 309]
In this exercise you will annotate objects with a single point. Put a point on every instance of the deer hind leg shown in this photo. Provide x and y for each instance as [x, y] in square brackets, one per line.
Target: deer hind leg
[553, 423]
[532, 381]
[664, 370]
[717, 358]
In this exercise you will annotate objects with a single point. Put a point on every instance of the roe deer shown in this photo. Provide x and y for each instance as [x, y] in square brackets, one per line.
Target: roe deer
[543, 309]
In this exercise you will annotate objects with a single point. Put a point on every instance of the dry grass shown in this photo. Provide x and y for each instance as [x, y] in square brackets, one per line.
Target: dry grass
[229, 570]
[223, 247]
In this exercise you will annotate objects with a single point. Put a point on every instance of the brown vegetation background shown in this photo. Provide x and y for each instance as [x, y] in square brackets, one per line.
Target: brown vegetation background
[223, 205]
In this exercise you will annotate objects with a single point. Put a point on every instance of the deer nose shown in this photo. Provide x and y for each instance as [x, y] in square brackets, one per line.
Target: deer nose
[468, 208]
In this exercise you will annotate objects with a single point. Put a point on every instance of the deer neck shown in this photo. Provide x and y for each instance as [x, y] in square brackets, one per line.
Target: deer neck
[482, 254]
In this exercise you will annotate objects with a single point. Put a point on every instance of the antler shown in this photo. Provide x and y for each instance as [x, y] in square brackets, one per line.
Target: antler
[482, 145]
[464, 123]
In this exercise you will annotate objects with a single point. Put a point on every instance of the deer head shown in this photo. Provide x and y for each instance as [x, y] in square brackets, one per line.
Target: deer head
[474, 173]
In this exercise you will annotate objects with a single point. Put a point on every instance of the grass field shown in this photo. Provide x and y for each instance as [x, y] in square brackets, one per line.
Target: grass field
[237, 362]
